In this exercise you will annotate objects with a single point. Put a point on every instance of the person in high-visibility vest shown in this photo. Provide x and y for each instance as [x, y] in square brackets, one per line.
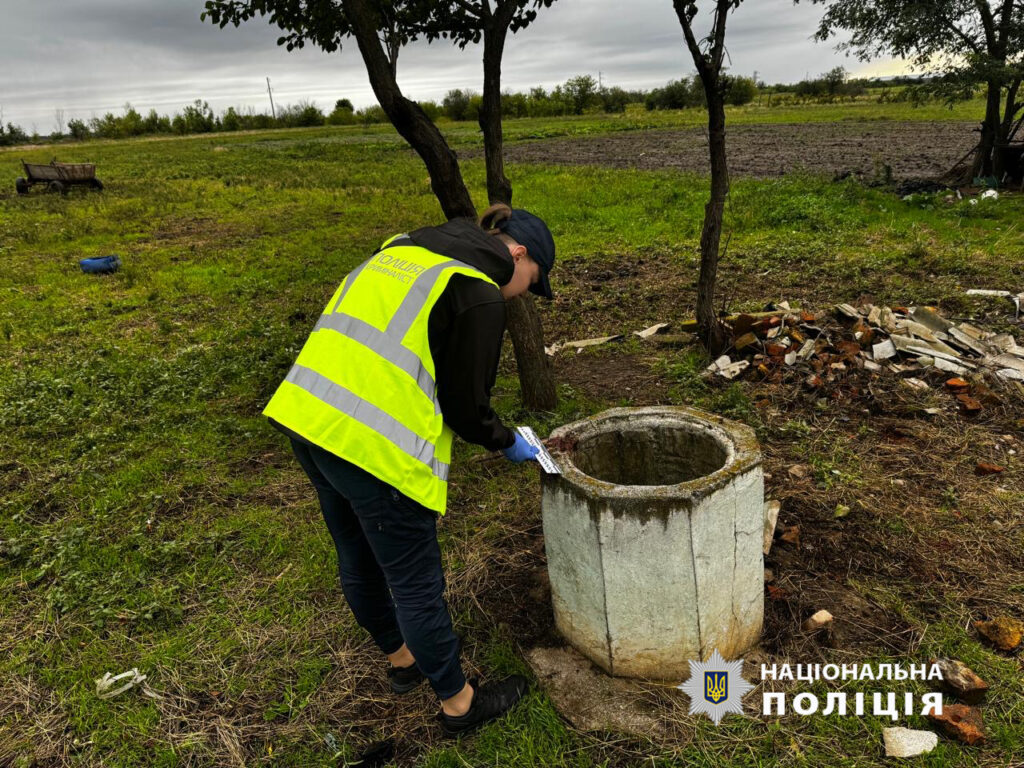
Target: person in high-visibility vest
[404, 356]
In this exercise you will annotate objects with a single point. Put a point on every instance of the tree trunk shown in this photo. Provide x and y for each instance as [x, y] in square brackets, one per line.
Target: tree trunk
[1010, 111]
[535, 376]
[536, 379]
[709, 329]
[984, 160]
[409, 120]
[499, 188]
[712, 333]
[1004, 136]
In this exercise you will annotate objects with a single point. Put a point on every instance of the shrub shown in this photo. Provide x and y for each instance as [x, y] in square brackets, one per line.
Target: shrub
[373, 114]
[432, 110]
[78, 129]
[456, 104]
[343, 113]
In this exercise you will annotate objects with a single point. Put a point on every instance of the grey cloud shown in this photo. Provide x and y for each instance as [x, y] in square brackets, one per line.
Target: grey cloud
[91, 57]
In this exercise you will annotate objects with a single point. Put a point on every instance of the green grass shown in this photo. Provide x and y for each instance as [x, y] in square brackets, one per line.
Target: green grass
[150, 518]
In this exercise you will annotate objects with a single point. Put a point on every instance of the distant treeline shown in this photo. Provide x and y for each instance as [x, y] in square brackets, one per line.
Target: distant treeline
[12, 135]
[577, 96]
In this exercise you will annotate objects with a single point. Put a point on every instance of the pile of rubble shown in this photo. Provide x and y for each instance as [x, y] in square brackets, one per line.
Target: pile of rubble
[903, 340]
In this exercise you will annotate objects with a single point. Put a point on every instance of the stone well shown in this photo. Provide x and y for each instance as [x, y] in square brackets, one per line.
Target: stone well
[653, 534]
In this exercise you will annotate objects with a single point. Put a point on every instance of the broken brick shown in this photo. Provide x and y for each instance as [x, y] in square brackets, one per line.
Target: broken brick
[767, 324]
[864, 333]
[970, 404]
[984, 468]
[814, 382]
[849, 349]
[962, 723]
[777, 593]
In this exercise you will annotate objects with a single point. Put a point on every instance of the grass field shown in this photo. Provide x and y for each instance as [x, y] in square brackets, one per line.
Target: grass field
[151, 519]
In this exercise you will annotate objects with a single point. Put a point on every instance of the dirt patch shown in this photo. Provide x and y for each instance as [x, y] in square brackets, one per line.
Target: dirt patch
[200, 232]
[616, 377]
[911, 149]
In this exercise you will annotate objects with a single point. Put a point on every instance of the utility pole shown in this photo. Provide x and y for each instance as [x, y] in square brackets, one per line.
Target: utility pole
[600, 80]
[273, 114]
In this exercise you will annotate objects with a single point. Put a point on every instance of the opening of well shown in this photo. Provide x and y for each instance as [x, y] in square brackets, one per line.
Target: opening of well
[649, 455]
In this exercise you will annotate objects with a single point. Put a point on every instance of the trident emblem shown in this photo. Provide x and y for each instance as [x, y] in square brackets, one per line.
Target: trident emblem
[716, 686]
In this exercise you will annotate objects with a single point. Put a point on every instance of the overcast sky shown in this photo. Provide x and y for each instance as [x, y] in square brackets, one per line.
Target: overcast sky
[89, 57]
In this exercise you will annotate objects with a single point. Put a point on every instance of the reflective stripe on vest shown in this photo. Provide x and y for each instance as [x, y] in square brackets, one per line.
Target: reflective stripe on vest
[366, 413]
[363, 386]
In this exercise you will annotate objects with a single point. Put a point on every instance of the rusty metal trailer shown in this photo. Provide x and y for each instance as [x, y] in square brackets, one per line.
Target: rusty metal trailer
[58, 177]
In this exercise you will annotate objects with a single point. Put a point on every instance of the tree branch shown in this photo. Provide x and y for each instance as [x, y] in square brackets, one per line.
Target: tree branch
[470, 9]
[691, 41]
[987, 23]
[505, 12]
[1005, 19]
[952, 27]
[718, 51]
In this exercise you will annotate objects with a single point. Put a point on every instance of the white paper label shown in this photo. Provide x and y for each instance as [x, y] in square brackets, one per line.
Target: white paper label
[543, 457]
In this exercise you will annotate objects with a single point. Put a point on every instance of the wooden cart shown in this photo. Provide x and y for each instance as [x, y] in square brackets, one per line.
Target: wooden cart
[58, 177]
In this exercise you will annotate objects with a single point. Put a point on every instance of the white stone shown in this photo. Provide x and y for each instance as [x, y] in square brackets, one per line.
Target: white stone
[719, 364]
[646, 333]
[818, 621]
[982, 292]
[904, 742]
[947, 365]
[1007, 361]
[735, 369]
[654, 534]
[883, 350]
[771, 518]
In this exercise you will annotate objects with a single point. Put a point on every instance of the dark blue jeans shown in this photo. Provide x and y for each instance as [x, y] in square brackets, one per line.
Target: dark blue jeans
[389, 562]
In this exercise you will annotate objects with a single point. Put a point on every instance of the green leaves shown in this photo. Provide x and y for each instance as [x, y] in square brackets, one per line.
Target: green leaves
[324, 23]
[929, 32]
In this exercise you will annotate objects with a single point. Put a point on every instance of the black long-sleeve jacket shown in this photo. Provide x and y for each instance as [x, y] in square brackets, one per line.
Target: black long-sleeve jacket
[466, 328]
[465, 331]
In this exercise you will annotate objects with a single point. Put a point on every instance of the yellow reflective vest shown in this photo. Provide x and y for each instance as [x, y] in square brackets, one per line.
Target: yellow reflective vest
[364, 386]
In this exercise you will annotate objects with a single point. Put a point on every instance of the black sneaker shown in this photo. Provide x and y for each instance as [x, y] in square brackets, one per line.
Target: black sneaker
[404, 679]
[490, 702]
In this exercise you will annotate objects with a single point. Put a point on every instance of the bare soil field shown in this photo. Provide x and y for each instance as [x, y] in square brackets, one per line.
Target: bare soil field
[911, 149]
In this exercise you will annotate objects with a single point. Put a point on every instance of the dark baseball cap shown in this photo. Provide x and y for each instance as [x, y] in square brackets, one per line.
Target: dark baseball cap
[531, 231]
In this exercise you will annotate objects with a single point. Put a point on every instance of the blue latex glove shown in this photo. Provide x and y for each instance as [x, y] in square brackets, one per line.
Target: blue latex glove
[520, 450]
